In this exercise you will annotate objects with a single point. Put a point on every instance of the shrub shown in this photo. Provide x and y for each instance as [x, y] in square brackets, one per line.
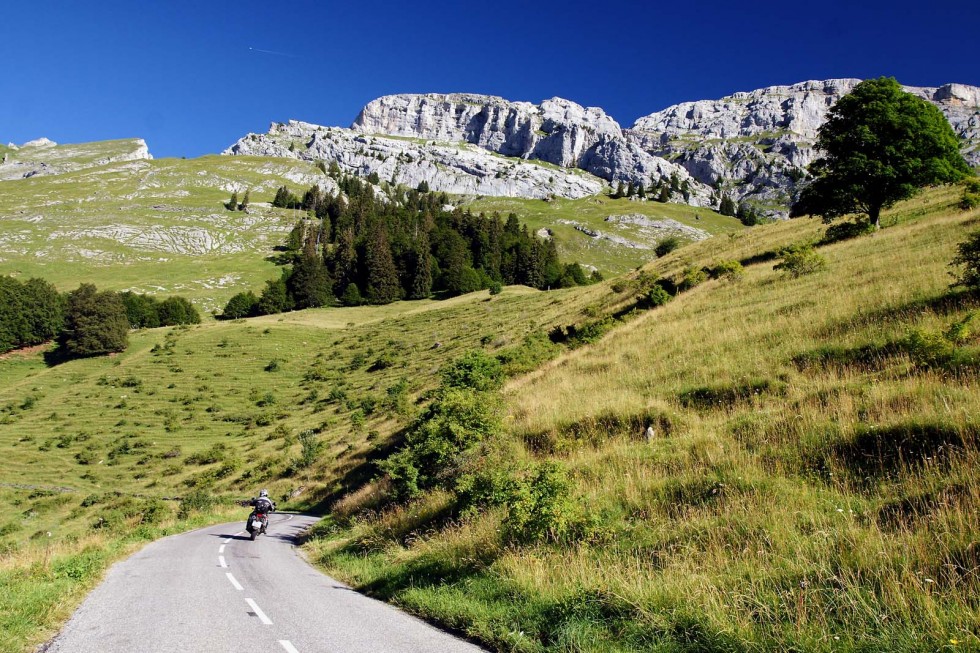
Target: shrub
[731, 270]
[845, 231]
[197, 501]
[968, 258]
[666, 246]
[801, 259]
[543, 508]
[971, 194]
[310, 448]
[693, 277]
[657, 296]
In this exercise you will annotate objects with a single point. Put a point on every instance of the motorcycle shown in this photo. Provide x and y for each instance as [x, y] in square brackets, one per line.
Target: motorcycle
[257, 524]
[258, 521]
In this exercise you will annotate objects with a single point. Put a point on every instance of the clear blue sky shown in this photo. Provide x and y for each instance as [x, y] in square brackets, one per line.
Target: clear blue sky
[193, 77]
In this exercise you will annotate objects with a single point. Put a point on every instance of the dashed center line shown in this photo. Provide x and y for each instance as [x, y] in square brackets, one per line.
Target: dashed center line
[289, 647]
[221, 561]
[234, 582]
[221, 549]
[258, 612]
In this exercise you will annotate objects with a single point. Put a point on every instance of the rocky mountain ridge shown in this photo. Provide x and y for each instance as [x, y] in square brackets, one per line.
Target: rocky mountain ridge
[756, 145]
[752, 146]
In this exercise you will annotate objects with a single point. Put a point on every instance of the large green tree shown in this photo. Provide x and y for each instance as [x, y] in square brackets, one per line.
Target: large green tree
[95, 323]
[880, 145]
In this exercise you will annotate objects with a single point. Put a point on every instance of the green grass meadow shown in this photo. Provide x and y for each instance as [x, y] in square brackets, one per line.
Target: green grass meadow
[811, 483]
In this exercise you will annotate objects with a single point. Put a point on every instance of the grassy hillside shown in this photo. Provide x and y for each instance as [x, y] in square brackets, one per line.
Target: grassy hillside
[811, 484]
[620, 246]
[105, 452]
[156, 226]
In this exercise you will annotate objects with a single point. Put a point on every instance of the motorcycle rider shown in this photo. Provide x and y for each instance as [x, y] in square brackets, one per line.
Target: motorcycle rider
[261, 504]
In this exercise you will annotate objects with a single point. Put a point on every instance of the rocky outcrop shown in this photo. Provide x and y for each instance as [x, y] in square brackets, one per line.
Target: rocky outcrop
[752, 146]
[45, 157]
[756, 145]
[557, 131]
[451, 167]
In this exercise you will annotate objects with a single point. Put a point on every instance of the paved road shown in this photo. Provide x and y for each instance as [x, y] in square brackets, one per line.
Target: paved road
[214, 590]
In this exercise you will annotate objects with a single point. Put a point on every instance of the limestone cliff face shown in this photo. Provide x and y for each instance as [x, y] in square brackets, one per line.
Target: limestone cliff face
[752, 146]
[557, 131]
[448, 166]
[757, 144]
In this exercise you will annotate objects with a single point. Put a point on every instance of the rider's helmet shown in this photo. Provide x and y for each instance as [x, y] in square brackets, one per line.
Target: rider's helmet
[263, 493]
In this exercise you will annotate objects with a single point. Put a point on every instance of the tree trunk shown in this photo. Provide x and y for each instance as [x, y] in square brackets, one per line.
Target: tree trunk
[874, 215]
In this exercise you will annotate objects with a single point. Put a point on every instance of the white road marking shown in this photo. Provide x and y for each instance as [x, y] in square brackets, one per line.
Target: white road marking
[221, 562]
[221, 549]
[234, 582]
[258, 612]
[289, 647]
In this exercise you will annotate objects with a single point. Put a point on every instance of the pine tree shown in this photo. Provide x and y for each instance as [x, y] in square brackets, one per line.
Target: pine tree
[232, 204]
[383, 286]
[245, 200]
[309, 284]
[345, 262]
[421, 269]
[664, 195]
[630, 189]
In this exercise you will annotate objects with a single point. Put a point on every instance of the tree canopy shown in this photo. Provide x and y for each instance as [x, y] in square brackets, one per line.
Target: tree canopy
[880, 145]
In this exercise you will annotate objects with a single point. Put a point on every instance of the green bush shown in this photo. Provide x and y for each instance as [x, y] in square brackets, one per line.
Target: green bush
[197, 501]
[310, 448]
[657, 296]
[971, 194]
[731, 270]
[666, 246]
[542, 508]
[693, 277]
[801, 259]
[968, 259]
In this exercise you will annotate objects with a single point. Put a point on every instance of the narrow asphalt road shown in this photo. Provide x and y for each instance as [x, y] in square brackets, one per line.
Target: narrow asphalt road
[214, 590]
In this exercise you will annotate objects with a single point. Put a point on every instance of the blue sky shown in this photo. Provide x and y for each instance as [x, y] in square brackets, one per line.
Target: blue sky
[193, 77]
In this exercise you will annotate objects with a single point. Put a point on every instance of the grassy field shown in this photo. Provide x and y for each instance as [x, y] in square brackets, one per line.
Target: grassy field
[811, 485]
[107, 447]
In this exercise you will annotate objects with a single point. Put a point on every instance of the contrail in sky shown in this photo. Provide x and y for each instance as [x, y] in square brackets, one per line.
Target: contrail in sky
[279, 54]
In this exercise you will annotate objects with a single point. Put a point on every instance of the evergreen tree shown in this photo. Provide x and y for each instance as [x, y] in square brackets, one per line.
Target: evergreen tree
[351, 296]
[727, 206]
[664, 194]
[245, 200]
[382, 285]
[309, 284]
[232, 204]
[630, 189]
[275, 298]
[620, 191]
[95, 323]
[675, 183]
[641, 192]
[420, 269]
[345, 262]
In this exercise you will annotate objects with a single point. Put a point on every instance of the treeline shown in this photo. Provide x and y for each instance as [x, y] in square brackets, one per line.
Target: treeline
[85, 321]
[359, 248]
